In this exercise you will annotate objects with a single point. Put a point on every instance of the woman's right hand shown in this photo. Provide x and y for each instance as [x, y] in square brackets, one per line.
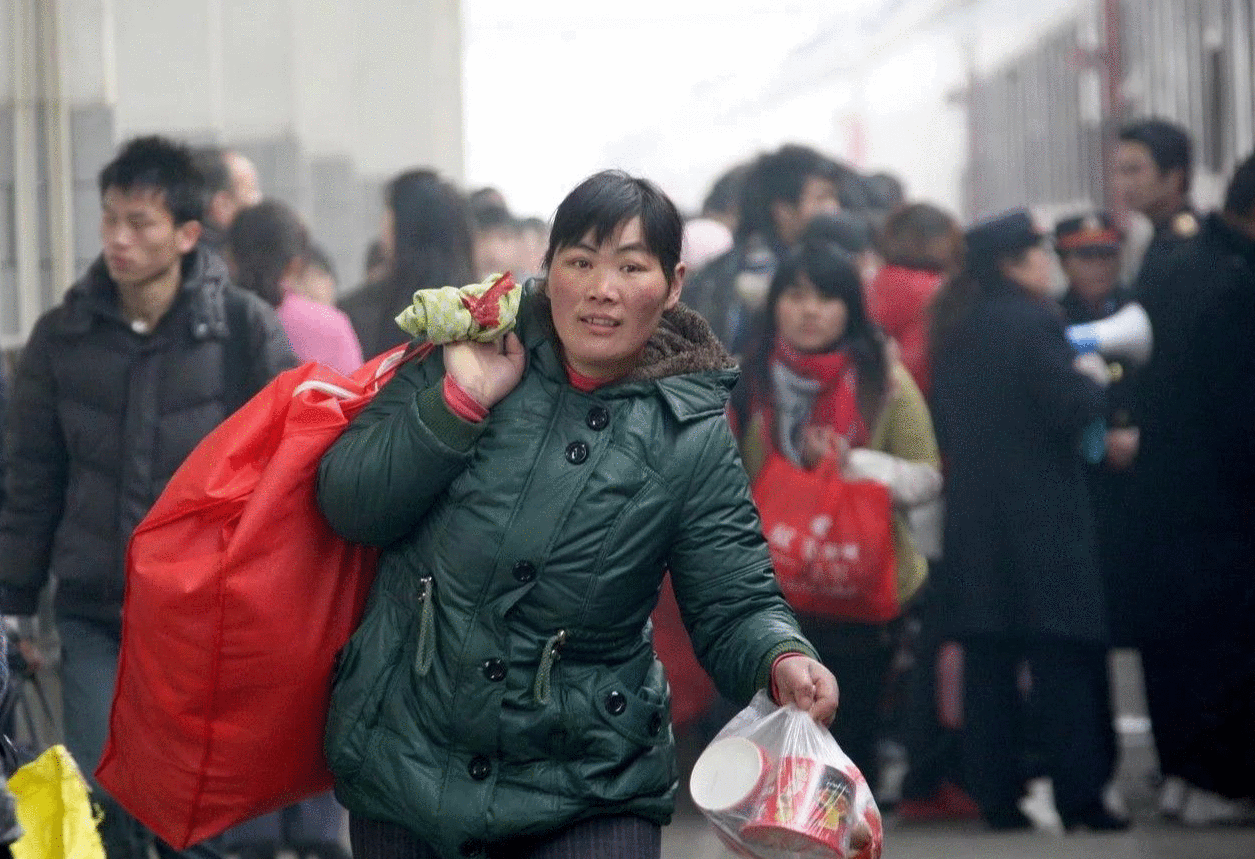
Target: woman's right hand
[486, 371]
[823, 441]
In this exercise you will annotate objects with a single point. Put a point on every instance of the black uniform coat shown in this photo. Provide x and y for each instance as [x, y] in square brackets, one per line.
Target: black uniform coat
[1110, 489]
[1019, 535]
[1195, 500]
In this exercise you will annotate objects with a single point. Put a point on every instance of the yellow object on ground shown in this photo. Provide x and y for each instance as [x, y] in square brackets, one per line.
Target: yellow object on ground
[54, 809]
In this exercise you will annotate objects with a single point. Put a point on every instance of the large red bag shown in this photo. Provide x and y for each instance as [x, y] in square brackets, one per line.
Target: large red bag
[692, 690]
[831, 540]
[238, 597]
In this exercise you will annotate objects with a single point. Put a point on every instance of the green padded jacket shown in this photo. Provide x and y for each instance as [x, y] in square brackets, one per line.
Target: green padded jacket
[503, 680]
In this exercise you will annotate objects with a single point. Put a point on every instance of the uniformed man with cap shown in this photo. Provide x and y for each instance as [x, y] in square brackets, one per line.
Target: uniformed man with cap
[1089, 249]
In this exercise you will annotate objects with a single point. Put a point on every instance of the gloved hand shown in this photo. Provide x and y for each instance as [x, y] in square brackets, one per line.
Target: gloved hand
[1091, 364]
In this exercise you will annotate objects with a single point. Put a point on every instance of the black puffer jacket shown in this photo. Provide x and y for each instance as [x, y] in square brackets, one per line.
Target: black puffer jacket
[101, 416]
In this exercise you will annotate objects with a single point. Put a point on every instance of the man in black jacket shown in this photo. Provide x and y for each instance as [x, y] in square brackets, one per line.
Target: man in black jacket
[1154, 160]
[1195, 503]
[781, 192]
[146, 354]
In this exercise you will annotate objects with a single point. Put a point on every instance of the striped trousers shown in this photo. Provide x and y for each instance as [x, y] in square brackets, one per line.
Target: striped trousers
[616, 837]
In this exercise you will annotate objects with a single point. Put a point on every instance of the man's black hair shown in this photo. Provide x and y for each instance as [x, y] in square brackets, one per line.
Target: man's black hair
[1168, 143]
[1239, 198]
[211, 161]
[486, 197]
[158, 164]
[725, 193]
[847, 230]
[316, 255]
[780, 176]
[604, 201]
[492, 217]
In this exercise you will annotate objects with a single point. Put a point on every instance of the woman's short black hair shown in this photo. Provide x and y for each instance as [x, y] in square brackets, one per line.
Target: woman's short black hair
[163, 165]
[263, 240]
[604, 201]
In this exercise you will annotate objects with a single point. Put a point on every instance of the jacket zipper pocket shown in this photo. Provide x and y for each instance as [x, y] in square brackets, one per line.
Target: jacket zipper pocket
[543, 686]
[426, 650]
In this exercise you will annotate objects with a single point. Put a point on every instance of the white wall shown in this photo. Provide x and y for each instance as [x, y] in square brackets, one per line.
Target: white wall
[330, 99]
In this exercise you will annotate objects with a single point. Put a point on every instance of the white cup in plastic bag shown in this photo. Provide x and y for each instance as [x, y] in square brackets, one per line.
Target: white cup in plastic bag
[775, 785]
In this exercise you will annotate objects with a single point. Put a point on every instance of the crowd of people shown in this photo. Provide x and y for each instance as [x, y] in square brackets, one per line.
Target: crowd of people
[1047, 500]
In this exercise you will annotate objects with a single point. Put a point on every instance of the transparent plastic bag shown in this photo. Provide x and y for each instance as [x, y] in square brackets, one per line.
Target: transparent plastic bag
[775, 785]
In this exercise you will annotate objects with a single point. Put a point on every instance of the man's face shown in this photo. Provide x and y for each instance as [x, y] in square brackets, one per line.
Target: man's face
[243, 190]
[1141, 183]
[496, 250]
[141, 241]
[818, 196]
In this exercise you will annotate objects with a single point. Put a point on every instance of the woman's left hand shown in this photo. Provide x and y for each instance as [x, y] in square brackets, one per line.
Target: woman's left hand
[806, 683]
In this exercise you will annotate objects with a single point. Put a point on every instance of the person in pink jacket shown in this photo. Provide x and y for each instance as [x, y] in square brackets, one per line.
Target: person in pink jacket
[921, 244]
[267, 247]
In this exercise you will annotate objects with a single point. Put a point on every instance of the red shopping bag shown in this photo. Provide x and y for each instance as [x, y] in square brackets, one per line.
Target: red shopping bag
[831, 540]
[238, 597]
[692, 690]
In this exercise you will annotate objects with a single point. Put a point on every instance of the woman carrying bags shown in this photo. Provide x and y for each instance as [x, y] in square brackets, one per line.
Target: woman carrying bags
[821, 384]
[1013, 403]
[502, 696]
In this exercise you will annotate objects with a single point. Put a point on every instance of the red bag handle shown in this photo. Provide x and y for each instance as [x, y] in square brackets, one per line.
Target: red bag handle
[383, 373]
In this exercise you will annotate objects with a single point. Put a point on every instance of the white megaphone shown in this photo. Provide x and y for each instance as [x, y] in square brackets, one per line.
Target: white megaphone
[1124, 334]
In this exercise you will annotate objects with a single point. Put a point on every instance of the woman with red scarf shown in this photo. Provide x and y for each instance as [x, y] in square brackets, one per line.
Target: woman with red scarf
[819, 381]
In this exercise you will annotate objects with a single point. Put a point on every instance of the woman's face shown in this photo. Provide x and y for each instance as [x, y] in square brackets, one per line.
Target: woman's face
[607, 300]
[808, 320]
[1033, 272]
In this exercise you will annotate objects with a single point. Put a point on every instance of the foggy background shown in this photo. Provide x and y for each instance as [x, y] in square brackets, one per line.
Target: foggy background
[975, 105]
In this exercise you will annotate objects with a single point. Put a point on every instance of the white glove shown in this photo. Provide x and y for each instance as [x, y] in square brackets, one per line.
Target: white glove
[1092, 365]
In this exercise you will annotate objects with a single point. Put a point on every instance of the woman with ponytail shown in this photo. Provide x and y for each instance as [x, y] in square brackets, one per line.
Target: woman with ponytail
[1021, 582]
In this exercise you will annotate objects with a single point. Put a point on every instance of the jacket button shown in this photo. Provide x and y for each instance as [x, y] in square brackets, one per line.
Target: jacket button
[479, 768]
[471, 847]
[524, 571]
[616, 703]
[576, 452]
[598, 418]
[655, 724]
[494, 670]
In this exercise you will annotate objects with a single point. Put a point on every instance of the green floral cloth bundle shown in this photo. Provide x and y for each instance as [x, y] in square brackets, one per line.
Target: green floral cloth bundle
[478, 311]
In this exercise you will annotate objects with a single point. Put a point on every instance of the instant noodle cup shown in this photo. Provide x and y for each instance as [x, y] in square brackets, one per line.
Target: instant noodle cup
[729, 776]
[808, 808]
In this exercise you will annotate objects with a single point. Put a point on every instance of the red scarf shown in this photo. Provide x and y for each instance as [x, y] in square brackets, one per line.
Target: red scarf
[836, 404]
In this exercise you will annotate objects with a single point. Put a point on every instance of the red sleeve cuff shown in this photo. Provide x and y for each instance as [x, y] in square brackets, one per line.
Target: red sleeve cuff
[775, 696]
[461, 403]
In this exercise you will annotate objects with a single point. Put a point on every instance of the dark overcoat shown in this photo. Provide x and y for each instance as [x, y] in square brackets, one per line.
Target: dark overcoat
[1009, 411]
